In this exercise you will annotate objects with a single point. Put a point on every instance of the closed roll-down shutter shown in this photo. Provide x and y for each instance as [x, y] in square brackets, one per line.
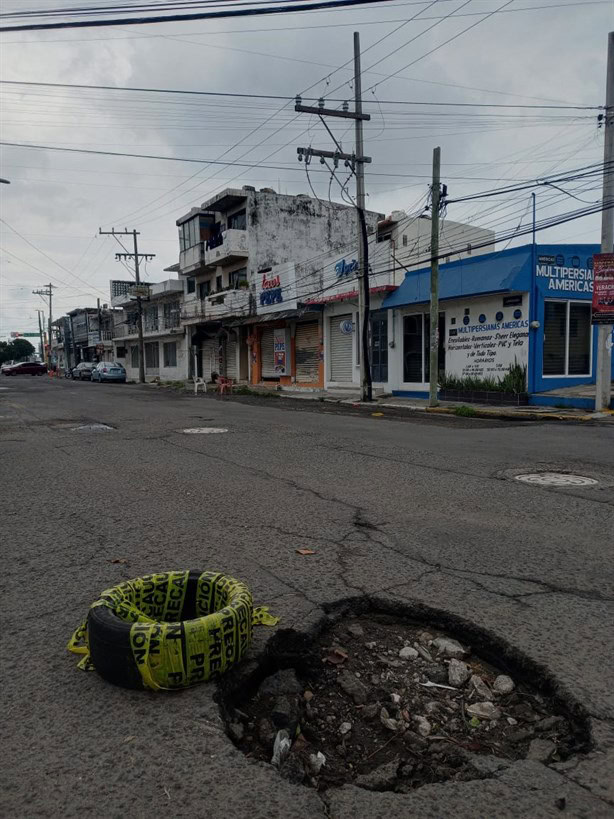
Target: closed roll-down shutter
[307, 340]
[231, 358]
[267, 354]
[209, 358]
[340, 350]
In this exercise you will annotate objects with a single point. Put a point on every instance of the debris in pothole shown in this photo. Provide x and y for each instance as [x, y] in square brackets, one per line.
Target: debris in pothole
[386, 705]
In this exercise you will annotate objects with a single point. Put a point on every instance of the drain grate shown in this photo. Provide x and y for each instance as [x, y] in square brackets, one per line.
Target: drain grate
[555, 479]
[203, 431]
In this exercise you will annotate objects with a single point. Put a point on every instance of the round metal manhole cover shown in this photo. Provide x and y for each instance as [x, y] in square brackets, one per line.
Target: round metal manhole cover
[204, 431]
[555, 479]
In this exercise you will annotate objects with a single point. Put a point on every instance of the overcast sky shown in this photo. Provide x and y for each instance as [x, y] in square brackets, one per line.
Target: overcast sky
[57, 201]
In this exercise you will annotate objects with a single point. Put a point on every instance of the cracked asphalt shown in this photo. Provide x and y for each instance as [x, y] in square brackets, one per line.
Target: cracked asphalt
[420, 515]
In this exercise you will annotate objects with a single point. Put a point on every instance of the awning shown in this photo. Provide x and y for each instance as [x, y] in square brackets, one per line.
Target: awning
[499, 272]
[282, 315]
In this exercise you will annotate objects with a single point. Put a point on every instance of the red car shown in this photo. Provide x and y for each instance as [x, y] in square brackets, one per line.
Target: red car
[26, 368]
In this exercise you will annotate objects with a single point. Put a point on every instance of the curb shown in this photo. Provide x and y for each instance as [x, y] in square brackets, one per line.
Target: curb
[508, 416]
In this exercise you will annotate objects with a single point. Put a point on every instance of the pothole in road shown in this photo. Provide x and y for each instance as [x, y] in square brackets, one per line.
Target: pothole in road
[555, 479]
[93, 428]
[391, 705]
[204, 431]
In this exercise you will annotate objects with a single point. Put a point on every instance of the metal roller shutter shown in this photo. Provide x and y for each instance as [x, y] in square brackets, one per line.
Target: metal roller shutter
[209, 358]
[267, 356]
[340, 350]
[231, 358]
[307, 341]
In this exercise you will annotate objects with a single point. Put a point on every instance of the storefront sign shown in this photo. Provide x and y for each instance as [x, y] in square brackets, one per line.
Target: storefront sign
[276, 289]
[281, 352]
[485, 349]
[560, 278]
[603, 292]
[343, 268]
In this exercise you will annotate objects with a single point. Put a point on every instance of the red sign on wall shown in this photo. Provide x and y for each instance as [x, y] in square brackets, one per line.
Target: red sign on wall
[603, 288]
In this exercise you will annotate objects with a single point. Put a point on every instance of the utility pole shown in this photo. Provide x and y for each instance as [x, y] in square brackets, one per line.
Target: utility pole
[603, 389]
[47, 292]
[356, 161]
[99, 321]
[139, 306]
[40, 333]
[434, 334]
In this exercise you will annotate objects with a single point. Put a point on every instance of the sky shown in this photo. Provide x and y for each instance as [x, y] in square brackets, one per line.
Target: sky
[531, 53]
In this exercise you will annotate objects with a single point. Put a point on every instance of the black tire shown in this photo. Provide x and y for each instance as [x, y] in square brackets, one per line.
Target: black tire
[109, 640]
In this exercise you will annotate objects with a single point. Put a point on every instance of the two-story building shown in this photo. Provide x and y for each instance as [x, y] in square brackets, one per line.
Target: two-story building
[232, 306]
[164, 337]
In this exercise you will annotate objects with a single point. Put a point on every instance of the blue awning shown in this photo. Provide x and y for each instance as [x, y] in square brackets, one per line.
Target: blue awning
[502, 271]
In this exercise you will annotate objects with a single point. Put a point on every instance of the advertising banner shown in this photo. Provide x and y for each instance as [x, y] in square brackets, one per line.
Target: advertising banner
[603, 288]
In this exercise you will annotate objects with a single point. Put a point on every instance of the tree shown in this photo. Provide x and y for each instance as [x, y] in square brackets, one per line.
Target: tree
[15, 350]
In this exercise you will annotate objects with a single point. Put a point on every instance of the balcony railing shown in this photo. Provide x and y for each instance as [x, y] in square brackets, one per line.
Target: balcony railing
[226, 248]
[217, 306]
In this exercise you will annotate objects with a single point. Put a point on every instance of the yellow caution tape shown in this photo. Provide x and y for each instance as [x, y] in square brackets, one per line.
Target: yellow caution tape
[171, 653]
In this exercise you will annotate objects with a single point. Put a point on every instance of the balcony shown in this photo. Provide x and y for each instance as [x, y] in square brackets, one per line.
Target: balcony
[227, 248]
[217, 306]
[192, 258]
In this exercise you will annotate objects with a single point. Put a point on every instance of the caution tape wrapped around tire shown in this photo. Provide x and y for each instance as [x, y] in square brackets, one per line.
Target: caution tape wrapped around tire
[168, 630]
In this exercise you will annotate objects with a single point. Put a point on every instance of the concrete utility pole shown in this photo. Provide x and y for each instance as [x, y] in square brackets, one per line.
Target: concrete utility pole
[603, 387]
[356, 162]
[47, 293]
[40, 332]
[434, 334]
[139, 306]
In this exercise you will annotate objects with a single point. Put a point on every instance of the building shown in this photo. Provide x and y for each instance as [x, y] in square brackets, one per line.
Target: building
[166, 354]
[233, 309]
[327, 287]
[83, 334]
[528, 306]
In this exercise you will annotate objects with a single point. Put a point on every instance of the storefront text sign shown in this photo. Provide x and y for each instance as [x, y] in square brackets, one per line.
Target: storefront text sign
[603, 292]
[561, 278]
[276, 289]
[343, 268]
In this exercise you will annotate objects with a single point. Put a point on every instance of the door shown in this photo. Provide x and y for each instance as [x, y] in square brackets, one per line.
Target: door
[307, 346]
[412, 349]
[208, 358]
[231, 357]
[267, 353]
[341, 349]
[379, 347]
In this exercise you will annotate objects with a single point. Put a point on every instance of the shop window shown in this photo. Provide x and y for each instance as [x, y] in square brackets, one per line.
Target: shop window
[170, 354]
[567, 338]
[191, 282]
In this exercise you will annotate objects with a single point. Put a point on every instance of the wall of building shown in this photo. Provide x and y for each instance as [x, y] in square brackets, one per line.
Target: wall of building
[177, 373]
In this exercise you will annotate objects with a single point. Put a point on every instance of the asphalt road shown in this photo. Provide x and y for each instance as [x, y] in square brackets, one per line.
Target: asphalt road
[422, 514]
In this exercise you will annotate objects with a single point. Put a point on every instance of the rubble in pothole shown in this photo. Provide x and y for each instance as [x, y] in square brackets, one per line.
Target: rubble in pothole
[389, 705]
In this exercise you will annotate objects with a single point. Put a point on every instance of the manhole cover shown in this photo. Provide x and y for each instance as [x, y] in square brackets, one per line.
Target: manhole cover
[203, 430]
[93, 428]
[555, 479]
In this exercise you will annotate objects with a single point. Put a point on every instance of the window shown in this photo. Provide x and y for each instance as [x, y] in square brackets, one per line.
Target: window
[404, 240]
[152, 355]
[238, 276]
[218, 282]
[238, 221]
[171, 314]
[134, 357]
[170, 354]
[469, 249]
[151, 318]
[567, 338]
[204, 288]
[181, 240]
[191, 284]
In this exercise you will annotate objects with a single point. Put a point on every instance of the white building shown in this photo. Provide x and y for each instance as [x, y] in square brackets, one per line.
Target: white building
[166, 352]
[227, 246]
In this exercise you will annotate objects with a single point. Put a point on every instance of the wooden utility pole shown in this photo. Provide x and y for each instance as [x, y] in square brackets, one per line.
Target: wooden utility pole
[40, 333]
[137, 278]
[603, 374]
[434, 328]
[356, 162]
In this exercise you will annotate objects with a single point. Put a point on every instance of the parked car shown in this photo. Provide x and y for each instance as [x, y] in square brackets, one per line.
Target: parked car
[83, 371]
[25, 368]
[109, 371]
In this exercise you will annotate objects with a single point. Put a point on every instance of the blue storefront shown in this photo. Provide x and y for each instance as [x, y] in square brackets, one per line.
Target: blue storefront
[527, 307]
